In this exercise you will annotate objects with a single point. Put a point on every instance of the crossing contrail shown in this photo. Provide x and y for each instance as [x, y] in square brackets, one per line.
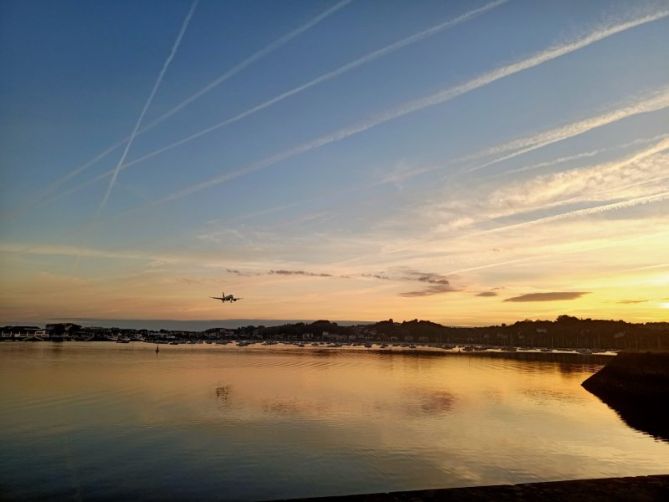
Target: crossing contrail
[152, 94]
[276, 44]
[248, 61]
[367, 58]
[437, 98]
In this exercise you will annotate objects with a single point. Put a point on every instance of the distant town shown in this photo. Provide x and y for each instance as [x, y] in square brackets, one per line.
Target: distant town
[565, 333]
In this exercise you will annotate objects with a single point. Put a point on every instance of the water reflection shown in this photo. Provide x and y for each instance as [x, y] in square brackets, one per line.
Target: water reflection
[222, 393]
[437, 402]
[643, 414]
[205, 422]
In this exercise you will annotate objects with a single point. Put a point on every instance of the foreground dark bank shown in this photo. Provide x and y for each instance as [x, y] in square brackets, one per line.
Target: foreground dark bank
[640, 488]
[636, 386]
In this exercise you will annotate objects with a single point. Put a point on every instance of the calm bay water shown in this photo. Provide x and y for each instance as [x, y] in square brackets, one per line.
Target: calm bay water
[96, 420]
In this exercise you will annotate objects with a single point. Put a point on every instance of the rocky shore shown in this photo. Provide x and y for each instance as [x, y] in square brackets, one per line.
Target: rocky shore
[636, 386]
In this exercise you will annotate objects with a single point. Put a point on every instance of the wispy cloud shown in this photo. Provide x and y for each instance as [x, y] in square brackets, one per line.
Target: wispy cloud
[430, 291]
[234, 271]
[379, 276]
[658, 100]
[147, 104]
[631, 302]
[240, 268]
[437, 283]
[633, 180]
[300, 273]
[429, 277]
[582, 155]
[604, 181]
[407, 274]
[582, 241]
[68, 250]
[198, 260]
[589, 211]
[435, 99]
[647, 267]
[548, 297]
[486, 294]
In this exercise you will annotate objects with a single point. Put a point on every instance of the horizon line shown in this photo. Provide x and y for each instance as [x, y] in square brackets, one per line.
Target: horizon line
[282, 322]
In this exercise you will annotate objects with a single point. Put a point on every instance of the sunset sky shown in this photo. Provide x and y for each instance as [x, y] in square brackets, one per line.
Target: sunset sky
[467, 162]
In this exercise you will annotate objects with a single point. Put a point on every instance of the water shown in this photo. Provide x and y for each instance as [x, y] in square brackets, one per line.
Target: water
[96, 420]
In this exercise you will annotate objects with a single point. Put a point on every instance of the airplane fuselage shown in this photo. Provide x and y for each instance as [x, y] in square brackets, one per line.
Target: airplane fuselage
[225, 298]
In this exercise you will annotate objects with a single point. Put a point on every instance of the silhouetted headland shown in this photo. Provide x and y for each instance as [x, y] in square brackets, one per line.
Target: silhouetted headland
[636, 386]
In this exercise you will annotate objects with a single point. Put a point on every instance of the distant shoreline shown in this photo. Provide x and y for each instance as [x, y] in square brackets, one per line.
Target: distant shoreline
[565, 334]
[174, 324]
[195, 325]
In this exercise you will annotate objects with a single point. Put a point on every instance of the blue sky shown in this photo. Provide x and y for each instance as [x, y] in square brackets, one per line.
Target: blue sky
[507, 151]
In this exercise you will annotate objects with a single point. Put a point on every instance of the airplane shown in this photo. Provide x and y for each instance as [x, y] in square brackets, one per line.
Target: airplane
[224, 298]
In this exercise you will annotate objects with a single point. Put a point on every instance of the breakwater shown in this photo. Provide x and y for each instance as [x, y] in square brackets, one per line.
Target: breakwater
[639, 488]
[636, 386]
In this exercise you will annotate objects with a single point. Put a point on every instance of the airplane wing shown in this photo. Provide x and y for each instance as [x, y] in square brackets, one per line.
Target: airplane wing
[215, 298]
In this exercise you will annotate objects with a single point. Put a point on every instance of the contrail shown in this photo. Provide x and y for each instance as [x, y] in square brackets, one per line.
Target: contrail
[582, 155]
[248, 61]
[588, 211]
[152, 94]
[367, 58]
[219, 80]
[422, 103]
[525, 145]
[329, 76]
[659, 101]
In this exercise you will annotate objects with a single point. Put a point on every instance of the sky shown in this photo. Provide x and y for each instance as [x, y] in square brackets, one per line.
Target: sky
[466, 162]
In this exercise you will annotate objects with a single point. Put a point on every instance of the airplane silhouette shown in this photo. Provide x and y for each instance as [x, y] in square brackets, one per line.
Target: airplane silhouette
[225, 298]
